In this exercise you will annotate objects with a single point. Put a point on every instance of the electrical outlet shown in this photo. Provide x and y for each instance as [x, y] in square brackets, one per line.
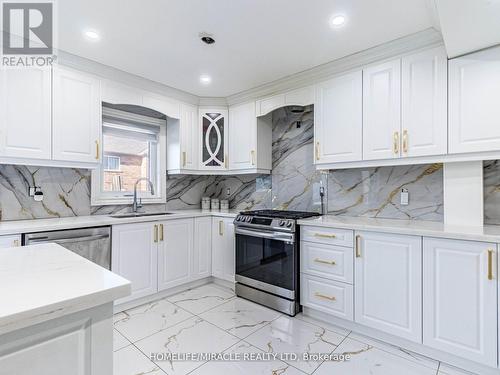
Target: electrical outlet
[405, 197]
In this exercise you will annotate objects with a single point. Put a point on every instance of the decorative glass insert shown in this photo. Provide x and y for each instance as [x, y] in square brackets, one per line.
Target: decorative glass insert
[213, 153]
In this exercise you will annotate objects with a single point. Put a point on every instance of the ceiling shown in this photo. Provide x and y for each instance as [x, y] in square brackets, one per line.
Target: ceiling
[257, 41]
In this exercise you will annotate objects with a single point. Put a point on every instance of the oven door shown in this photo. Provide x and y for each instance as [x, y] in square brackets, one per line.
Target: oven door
[267, 260]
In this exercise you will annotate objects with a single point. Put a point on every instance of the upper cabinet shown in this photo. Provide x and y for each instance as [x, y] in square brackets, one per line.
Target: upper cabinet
[424, 101]
[77, 117]
[302, 96]
[25, 113]
[250, 140]
[382, 111]
[189, 136]
[214, 138]
[474, 89]
[338, 117]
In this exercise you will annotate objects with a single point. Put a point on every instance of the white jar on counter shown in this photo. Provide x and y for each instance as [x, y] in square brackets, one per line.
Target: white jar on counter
[205, 203]
[215, 204]
[224, 205]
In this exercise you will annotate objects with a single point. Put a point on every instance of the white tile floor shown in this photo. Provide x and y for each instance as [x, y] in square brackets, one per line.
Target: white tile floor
[211, 319]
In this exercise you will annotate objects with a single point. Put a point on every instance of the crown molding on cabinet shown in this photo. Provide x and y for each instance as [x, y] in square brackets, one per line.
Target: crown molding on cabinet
[212, 102]
[117, 75]
[421, 40]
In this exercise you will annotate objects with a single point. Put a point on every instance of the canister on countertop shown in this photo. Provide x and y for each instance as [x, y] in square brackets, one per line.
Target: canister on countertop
[215, 204]
[224, 205]
[205, 203]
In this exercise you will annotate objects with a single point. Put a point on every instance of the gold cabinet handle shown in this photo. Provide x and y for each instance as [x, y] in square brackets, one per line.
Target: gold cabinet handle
[226, 162]
[330, 262]
[252, 154]
[161, 232]
[358, 246]
[395, 143]
[405, 141]
[490, 264]
[317, 150]
[221, 228]
[322, 235]
[16, 243]
[183, 158]
[97, 150]
[156, 233]
[330, 298]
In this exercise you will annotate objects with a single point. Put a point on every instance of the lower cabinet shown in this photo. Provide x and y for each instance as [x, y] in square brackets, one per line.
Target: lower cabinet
[388, 283]
[10, 241]
[201, 265]
[135, 257]
[175, 250]
[223, 249]
[460, 298]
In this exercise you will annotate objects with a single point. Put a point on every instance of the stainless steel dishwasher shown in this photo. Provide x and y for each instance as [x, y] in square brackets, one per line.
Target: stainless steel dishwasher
[93, 244]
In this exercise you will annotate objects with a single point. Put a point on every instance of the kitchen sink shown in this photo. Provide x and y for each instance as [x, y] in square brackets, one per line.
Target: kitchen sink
[139, 214]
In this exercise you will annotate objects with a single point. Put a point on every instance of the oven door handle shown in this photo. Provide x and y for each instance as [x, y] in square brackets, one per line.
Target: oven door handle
[284, 237]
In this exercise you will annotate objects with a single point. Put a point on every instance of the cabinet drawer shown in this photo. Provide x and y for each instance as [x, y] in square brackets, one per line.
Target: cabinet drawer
[331, 297]
[331, 236]
[329, 261]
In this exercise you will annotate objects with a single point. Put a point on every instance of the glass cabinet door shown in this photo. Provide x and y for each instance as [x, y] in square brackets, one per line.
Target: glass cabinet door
[213, 145]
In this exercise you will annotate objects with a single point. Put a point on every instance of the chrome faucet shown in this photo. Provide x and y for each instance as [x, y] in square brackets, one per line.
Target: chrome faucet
[135, 206]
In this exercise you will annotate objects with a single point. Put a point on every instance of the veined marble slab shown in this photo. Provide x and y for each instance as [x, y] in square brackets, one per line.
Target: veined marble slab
[46, 281]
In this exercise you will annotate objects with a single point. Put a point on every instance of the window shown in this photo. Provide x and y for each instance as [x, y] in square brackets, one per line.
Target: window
[132, 146]
[111, 163]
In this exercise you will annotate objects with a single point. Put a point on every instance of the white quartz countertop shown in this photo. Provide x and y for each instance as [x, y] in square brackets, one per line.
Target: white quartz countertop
[487, 233]
[39, 225]
[46, 281]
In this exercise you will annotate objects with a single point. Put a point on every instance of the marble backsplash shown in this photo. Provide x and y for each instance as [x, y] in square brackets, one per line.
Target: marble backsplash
[491, 175]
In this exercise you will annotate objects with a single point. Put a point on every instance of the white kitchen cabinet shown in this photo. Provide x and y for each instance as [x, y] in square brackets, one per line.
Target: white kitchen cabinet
[338, 119]
[301, 97]
[382, 111]
[164, 105]
[474, 89]
[388, 283]
[223, 248]
[10, 241]
[135, 257]
[77, 122]
[201, 263]
[25, 113]
[249, 139]
[175, 250]
[214, 139]
[424, 103]
[460, 298]
[189, 137]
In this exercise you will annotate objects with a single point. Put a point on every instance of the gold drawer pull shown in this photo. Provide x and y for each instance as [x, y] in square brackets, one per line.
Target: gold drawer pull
[156, 233]
[490, 264]
[330, 262]
[358, 246]
[322, 235]
[221, 228]
[317, 151]
[97, 150]
[395, 145]
[405, 141]
[184, 158]
[252, 154]
[329, 298]
[161, 232]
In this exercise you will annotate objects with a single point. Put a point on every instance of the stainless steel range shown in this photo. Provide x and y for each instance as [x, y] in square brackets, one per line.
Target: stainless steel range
[267, 258]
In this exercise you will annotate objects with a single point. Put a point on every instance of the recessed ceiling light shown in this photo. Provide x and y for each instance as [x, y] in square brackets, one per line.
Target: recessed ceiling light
[92, 35]
[204, 79]
[337, 20]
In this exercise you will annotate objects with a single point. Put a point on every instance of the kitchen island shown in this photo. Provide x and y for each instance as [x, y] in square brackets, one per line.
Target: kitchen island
[56, 312]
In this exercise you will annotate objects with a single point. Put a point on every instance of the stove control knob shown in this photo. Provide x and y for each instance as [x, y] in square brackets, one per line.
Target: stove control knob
[282, 223]
[289, 224]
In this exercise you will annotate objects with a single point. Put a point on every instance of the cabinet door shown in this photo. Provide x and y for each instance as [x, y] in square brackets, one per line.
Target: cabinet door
[174, 252]
[382, 111]
[25, 113]
[223, 251]
[388, 283]
[77, 117]
[189, 137]
[460, 298]
[474, 89]
[424, 103]
[10, 241]
[242, 137]
[338, 115]
[214, 135]
[202, 252]
[134, 256]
